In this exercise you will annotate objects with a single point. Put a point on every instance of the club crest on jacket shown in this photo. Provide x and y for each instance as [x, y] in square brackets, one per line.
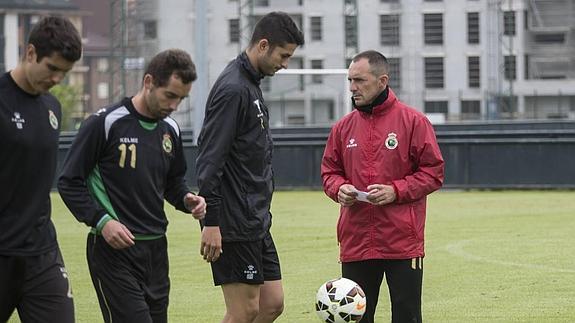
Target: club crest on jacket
[391, 141]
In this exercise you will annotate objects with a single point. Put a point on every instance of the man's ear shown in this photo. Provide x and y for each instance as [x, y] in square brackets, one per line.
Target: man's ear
[384, 80]
[148, 81]
[263, 45]
[30, 54]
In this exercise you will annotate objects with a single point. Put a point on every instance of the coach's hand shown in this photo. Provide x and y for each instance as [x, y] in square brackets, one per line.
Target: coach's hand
[380, 194]
[196, 204]
[347, 195]
[117, 235]
[211, 247]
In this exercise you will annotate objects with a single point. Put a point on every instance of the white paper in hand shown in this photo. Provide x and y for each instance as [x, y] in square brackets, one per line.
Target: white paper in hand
[362, 196]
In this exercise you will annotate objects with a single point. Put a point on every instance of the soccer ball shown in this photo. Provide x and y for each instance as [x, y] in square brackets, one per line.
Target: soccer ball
[340, 300]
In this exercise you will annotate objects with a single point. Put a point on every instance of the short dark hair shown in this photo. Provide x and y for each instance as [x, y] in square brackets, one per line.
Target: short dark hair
[171, 61]
[377, 61]
[278, 28]
[56, 35]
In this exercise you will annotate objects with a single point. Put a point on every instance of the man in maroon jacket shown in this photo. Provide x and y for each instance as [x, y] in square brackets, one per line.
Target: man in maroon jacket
[380, 163]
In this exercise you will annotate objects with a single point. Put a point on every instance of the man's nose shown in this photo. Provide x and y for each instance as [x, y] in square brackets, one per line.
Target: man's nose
[57, 77]
[174, 104]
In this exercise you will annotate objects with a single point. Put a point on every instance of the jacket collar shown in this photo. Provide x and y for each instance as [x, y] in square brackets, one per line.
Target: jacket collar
[381, 103]
[244, 62]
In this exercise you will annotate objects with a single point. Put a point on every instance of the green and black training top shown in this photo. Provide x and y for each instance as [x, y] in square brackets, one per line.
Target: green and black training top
[122, 165]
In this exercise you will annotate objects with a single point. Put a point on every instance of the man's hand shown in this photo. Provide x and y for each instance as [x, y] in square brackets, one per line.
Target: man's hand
[211, 247]
[117, 235]
[380, 194]
[347, 195]
[196, 204]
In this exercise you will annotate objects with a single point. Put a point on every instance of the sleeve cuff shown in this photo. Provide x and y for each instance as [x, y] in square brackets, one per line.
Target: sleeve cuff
[212, 216]
[103, 222]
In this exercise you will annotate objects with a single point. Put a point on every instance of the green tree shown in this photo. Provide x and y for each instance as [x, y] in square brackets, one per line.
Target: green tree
[69, 97]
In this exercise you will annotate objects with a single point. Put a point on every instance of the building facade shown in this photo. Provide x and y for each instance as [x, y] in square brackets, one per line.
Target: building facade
[453, 60]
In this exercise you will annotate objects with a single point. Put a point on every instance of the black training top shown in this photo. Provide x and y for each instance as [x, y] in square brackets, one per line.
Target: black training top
[122, 165]
[234, 164]
[29, 129]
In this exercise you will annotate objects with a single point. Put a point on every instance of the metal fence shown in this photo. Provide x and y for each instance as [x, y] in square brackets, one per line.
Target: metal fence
[503, 155]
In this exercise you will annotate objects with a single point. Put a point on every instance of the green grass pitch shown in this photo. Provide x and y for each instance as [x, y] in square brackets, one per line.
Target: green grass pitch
[501, 256]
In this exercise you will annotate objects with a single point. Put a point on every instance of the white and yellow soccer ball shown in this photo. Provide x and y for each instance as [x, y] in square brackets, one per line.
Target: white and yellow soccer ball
[340, 301]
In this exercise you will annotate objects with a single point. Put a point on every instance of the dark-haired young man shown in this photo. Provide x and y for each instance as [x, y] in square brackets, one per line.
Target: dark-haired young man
[126, 159]
[234, 169]
[389, 150]
[33, 278]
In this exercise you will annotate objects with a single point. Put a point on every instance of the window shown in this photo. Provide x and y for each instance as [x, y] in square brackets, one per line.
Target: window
[433, 72]
[389, 29]
[473, 72]
[508, 106]
[509, 23]
[315, 23]
[433, 28]
[510, 68]
[102, 90]
[470, 109]
[435, 107]
[234, 25]
[473, 27]
[526, 62]
[394, 72]
[102, 65]
[296, 120]
[297, 62]
[261, 3]
[316, 64]
[555, 38]
[150, 29]
[351, 31]
[389, 1]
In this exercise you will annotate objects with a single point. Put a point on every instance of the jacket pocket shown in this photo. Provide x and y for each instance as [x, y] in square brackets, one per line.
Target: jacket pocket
[402, 219]
[416, 222]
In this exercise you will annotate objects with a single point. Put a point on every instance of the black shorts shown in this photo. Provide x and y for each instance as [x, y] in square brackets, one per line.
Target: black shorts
[132, 284]
[37, 286]
[248, 262]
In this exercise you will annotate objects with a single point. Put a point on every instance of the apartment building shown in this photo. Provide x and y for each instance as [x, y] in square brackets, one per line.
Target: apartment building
[454, 60]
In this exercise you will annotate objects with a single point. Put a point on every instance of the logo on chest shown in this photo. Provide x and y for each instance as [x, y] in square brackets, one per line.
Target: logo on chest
[18, 120]
[391, 142]
[53, 120]
[351, 144]
[260, 114]
[129, 140]
[167, 144]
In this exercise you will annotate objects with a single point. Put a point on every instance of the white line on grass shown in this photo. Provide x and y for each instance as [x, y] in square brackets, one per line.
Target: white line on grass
[457, 249]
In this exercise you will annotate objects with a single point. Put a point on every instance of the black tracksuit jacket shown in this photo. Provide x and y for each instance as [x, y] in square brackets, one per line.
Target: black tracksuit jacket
[234, 164]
